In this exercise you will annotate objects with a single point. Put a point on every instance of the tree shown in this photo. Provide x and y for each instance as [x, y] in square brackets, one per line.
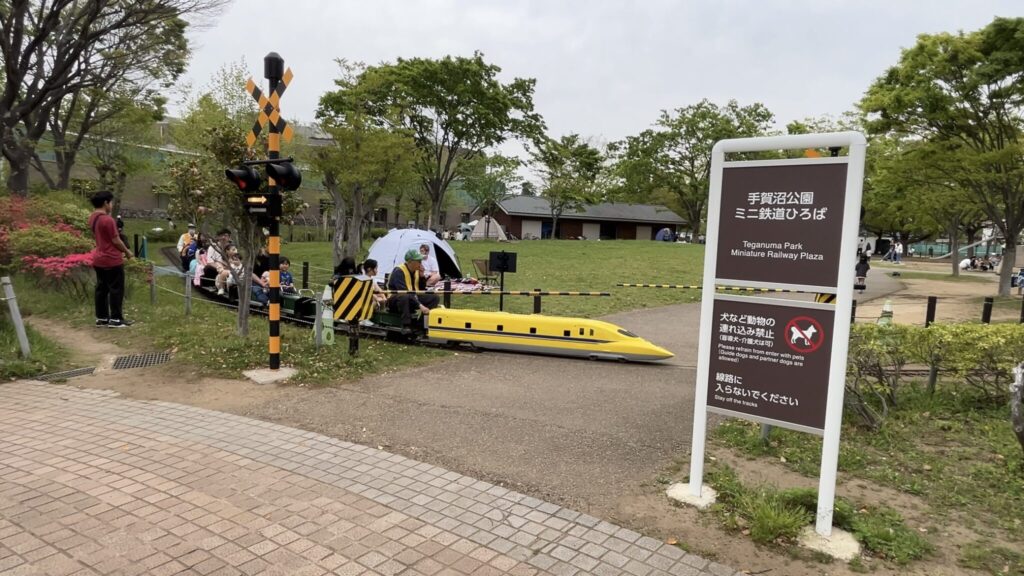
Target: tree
[54, 50]
[527, 188]
[120, 147]
[214, 129]
[675, 156]
[456, 108]
[571, 170]
[489, 179]
[366, 159]
[963, 95]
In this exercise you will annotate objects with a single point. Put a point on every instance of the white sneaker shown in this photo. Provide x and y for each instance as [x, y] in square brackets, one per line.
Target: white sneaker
[366, 323]
[221, 292]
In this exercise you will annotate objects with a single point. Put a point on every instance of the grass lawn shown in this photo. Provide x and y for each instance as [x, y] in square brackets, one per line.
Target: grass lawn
[46, 355]
[563, 265]
[953, 450]
[938, 277]
[207, 338]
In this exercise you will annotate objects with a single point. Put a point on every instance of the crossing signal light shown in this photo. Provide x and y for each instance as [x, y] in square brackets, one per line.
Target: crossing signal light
[285, 175]
[247, 179]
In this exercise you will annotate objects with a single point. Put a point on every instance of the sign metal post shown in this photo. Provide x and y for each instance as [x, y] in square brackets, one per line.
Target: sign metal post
[789, 224]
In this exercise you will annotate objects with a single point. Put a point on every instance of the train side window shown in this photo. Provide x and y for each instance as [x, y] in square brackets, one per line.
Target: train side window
[439, 319]
[567, 333]
[533, 330]
[501, 328]
[591, 331]
[581, 331]
[469, 325]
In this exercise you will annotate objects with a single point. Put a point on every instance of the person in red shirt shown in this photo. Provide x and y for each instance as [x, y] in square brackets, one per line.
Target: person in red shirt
[108, 261]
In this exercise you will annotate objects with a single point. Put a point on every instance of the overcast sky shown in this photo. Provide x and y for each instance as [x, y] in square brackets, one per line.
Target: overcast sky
[604, 69]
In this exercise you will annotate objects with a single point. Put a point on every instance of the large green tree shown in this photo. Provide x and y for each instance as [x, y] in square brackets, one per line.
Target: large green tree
[457, 108]
[573, 173]
[490, 179]
[54, 50]
[674, 157]
[366, 159]
[963, 94]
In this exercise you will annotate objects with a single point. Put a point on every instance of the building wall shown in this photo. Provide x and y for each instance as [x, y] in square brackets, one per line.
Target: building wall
[570, 228]
[625, 231]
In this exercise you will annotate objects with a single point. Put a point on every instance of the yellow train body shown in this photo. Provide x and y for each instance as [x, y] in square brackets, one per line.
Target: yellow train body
[537, 334]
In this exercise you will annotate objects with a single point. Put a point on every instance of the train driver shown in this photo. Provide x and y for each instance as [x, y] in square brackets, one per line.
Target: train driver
[408, 277]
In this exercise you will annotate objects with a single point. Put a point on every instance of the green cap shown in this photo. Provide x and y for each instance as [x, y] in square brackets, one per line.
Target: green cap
[413, 255]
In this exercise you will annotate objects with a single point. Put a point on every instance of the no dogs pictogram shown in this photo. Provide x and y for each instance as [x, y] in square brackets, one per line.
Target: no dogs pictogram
[804, 334]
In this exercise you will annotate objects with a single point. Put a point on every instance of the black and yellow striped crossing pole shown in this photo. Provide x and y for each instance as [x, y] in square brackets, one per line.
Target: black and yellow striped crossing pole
[273, 70]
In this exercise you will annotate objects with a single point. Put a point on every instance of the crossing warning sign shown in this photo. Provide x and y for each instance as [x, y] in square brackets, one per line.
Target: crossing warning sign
[270, 109]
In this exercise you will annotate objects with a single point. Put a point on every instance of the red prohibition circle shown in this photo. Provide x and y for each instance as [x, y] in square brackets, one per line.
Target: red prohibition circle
[794, 332]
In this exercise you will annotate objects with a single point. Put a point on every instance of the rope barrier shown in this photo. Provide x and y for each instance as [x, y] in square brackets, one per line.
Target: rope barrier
[725, 288]
[505, 293]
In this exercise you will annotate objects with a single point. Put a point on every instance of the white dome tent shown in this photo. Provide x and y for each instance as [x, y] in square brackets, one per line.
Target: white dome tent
[487, 228]
[389, 251]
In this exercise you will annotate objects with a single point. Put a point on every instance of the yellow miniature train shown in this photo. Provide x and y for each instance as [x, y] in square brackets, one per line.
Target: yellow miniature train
[536, 334]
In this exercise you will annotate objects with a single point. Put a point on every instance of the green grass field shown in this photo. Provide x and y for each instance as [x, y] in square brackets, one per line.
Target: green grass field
[562, 265]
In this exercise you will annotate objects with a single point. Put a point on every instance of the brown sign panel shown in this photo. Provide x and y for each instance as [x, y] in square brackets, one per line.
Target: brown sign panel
[781, 224]
[771, 361]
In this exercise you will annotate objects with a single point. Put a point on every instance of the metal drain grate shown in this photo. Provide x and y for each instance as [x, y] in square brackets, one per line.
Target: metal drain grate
[66, 374]
[140, 360]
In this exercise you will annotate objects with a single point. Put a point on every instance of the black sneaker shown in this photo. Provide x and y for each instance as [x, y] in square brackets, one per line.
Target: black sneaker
[119, 323]
[102, 323]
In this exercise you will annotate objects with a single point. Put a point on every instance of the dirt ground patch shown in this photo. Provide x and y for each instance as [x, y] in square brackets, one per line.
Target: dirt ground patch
[595, 437]
[958, 300]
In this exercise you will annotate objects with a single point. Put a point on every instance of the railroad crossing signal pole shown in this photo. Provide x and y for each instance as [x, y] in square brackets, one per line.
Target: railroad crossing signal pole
[273, 70]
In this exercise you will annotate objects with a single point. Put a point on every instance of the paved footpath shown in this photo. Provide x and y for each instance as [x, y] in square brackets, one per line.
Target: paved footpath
[91, 483]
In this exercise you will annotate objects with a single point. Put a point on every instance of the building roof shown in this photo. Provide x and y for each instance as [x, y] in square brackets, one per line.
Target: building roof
[535, 206]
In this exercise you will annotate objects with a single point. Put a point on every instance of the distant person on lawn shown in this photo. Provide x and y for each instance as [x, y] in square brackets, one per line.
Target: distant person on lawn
[108, 261]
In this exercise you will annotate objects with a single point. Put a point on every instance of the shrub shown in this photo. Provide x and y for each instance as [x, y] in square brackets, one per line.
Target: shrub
[377, 233]
[70, 275]
[984, 356]
[46, 241]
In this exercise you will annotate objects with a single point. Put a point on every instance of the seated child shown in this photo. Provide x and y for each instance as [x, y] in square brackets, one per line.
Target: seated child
[287, 281]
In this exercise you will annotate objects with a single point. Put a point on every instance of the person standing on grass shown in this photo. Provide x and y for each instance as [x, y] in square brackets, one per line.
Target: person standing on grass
[108, 261]
[862, 271]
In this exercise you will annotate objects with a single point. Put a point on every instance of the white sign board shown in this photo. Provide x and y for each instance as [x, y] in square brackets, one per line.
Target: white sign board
[789, 224]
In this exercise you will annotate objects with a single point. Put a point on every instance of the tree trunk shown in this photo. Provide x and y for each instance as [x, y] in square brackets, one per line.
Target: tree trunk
[954, 247]
[398, 210]
[1017, 404]
[1007, 264]
[554, 226]
[20, 162]
[354, 234]
[434, 220]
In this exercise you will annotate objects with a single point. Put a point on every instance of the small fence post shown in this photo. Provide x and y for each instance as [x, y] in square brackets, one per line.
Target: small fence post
[766, 433]
[1022, 311]
[188, 293]
[536, 302]
[853, 312]
[136, 253]
[353, 338]
[305, 275]
[986, 310]
[318, 324]
[19, 324]
[447, 293]
[929, 316]
[152, 283]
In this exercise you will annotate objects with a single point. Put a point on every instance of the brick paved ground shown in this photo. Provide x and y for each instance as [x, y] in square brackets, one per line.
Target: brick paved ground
[94, 484]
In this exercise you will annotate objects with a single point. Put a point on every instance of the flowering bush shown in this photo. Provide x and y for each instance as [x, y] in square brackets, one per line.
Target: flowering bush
[44, 241]
[70, 274]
